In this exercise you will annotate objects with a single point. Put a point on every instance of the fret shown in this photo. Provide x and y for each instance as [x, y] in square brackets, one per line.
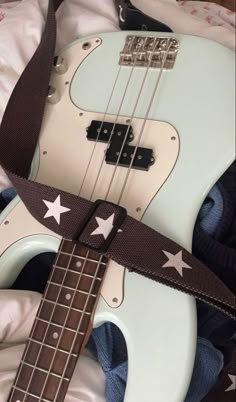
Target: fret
[46, 358]
[46, 370]
[37, 377]
[64, 259]
[80, 270]
[62, 337]
[38, 319]
[69, 298]
[72, 288]
[58, 315]
[68, 247]
[51, 388]
[64, 305]
[33, 341]
[76, 267]
[18, 394]
[38, 381]
[71, 279]
[35, 386]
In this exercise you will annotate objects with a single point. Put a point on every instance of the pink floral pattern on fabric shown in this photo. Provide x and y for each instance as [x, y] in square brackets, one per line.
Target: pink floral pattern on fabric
[6, 5]
[211, 12]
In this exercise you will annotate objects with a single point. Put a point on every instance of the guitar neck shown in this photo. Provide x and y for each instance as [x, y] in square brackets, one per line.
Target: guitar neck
[61, 325]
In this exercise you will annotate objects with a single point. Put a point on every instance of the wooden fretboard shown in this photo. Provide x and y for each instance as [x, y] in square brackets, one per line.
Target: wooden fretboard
[60, 326]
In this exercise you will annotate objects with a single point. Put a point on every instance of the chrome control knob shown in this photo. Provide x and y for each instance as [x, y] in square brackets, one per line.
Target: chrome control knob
[53, 95]
[60, 65]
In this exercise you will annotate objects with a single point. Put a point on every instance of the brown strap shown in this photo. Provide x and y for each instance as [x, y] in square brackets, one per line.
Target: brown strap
[135, 246]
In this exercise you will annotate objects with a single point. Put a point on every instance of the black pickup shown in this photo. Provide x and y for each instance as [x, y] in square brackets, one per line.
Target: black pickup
[103, 131]
[118, 151]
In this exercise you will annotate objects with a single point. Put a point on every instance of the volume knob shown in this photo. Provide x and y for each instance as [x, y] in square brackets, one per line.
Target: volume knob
[53, 96]
[60, 65]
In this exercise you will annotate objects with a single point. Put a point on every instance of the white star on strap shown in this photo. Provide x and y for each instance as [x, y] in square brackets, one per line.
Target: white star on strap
[105, 226]
[55, 209]
[232, 387]
[175, 261]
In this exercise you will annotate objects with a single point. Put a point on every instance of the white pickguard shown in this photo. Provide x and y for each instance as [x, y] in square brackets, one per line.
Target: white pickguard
[189, 131]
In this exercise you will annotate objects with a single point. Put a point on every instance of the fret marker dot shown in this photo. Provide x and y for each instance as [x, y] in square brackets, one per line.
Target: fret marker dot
[18, 400]
[68, 296]
[78, 264]
[55, 335]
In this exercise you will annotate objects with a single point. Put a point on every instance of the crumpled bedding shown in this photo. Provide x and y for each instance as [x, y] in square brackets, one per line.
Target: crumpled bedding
[21, 25]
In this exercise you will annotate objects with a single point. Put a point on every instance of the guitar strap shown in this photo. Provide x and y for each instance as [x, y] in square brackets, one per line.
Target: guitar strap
[130, 243]
[132, 19]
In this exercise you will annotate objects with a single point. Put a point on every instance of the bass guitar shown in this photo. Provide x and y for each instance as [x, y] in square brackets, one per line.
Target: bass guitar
[146, 121]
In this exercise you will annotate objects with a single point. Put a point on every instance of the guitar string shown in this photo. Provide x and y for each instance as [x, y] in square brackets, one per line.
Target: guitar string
[128, 126]
[107, 194]
[131, 120]
[130, 123]
[71, 350]
[149, 106]
[99, 131]
[90, 290]
[37, 316]
[158, 79]
[113, 126]
[145, 120]
[63, 327]
[57, 256]
[28, 343]
[76, 334]
[61, 287]
[49, 370]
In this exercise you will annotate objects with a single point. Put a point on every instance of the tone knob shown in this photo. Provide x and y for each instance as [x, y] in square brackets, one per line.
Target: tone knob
[60, 65]
[53, 96]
